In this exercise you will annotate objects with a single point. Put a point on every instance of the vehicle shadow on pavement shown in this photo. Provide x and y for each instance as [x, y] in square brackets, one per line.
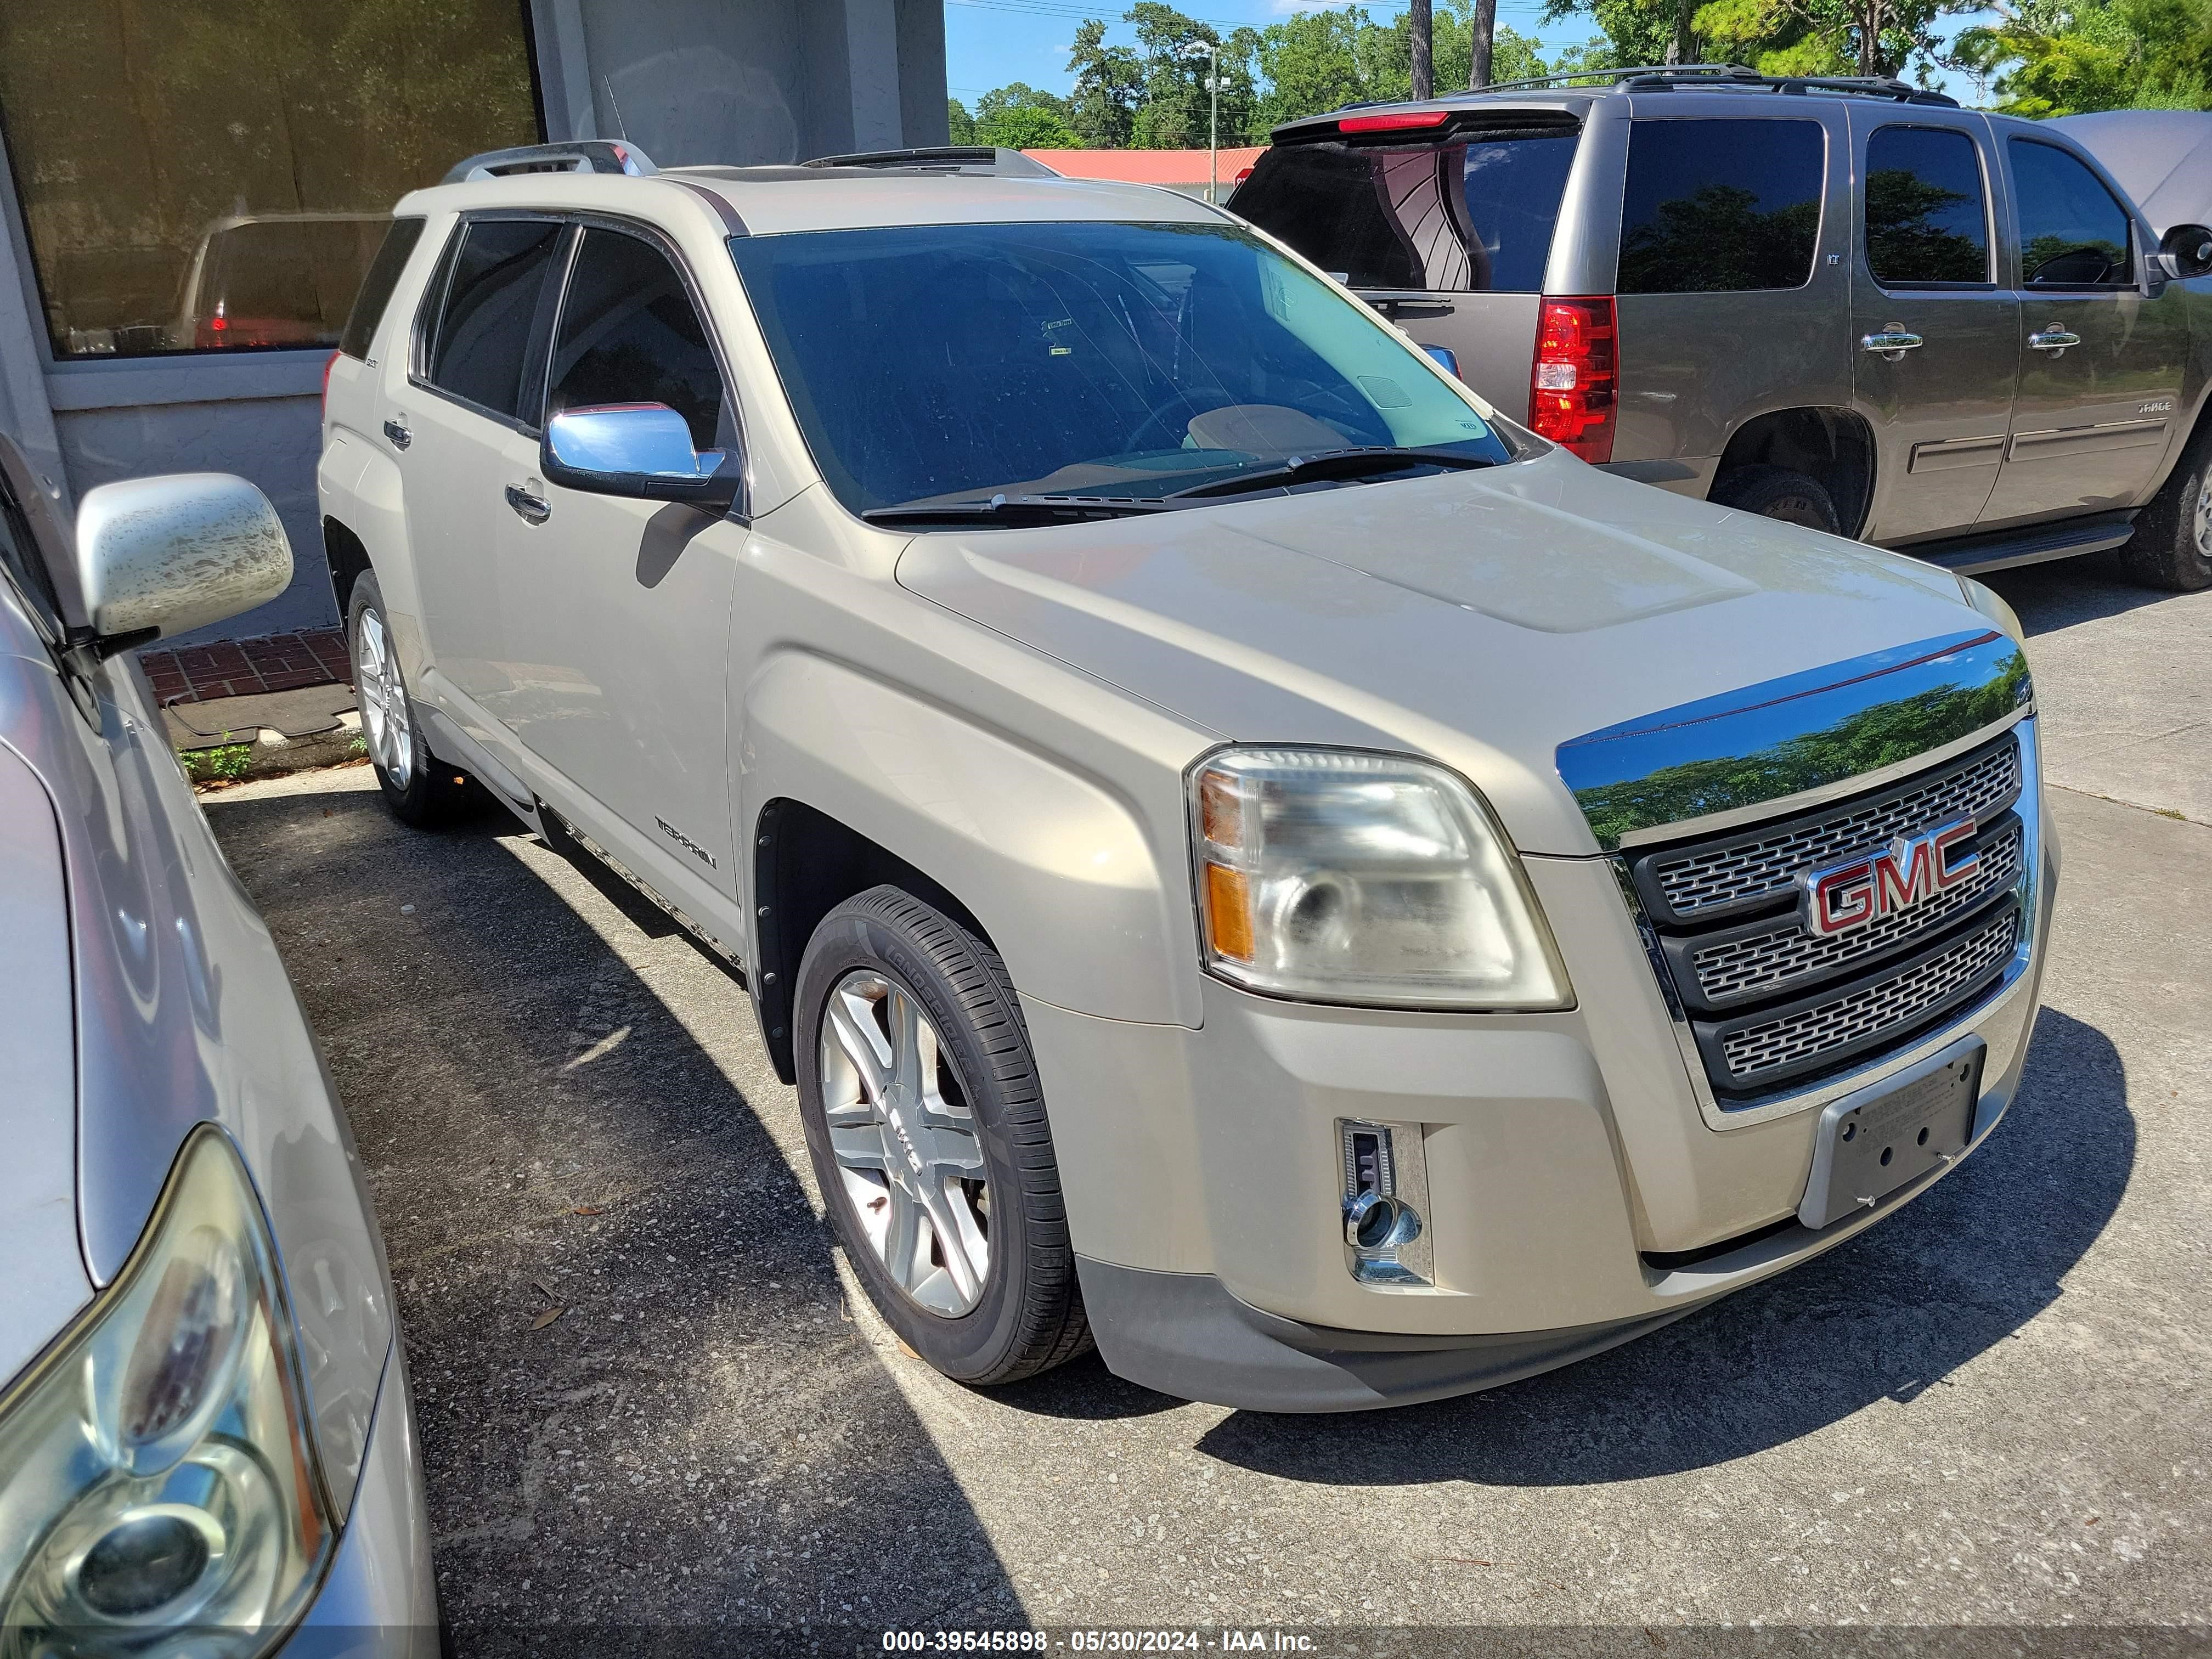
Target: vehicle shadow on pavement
[643, 1401]
[2049, 596]
[1886, 1315]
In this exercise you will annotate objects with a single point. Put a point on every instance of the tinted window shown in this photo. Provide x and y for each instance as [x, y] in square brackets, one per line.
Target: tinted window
[629, 335]
[1720, 206]
[1117, 360]
[2072, 232]
[1925, 220]
[376, 287]
[18, 557]
[482, 334]
[1448, 218]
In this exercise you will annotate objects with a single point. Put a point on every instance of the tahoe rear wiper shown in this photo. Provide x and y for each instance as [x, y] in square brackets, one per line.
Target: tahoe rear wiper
[1334, 464]
[1014, 509]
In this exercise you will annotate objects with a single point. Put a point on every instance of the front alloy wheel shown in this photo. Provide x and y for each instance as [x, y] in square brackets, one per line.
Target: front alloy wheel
[904, 1141]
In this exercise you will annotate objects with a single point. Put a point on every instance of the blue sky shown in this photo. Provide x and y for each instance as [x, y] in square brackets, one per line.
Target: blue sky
[990, 43]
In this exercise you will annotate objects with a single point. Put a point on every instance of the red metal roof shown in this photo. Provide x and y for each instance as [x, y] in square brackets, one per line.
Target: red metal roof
[1146, 167]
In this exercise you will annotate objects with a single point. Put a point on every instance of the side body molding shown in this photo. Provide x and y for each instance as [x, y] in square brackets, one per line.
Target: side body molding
[1056, 864]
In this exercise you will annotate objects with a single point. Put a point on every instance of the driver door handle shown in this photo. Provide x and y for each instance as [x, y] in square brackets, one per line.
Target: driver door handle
[2053, 338]
[532, 509]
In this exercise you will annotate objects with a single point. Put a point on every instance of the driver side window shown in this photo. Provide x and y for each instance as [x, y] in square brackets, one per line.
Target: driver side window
[629, 334]
[2072, 232]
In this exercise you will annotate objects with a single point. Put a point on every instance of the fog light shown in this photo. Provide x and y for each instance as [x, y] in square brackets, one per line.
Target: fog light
[147, 1559]
[1385, 1183]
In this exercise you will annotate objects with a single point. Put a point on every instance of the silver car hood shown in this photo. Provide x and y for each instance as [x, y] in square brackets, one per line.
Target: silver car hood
[46, 1278]
[1484, 618]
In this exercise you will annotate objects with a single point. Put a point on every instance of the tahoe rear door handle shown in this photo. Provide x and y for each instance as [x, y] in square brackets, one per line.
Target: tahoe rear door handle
[1893, 342]
[2053, 338]
[532, 509]
[396, 430]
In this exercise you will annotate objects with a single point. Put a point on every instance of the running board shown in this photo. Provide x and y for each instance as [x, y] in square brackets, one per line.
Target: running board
[1970, 556]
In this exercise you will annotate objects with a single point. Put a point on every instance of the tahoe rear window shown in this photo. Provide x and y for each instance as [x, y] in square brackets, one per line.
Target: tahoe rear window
[1719, 207]
[1475, 215]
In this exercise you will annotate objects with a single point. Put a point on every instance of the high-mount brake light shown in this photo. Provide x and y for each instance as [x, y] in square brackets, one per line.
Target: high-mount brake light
[1575, 381]
[1397, 121]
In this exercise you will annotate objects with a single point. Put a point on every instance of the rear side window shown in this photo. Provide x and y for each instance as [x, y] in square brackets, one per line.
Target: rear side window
[1473, 216]
[2072, 232]
[1925, 222]
[376, 287]
[629, 334]
[482, 337]
[1720, 207]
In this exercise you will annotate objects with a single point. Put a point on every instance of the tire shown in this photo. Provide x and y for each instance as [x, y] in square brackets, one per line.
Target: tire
[423, 791]
[2171, 547]
[1776, 492]
[896, 1179]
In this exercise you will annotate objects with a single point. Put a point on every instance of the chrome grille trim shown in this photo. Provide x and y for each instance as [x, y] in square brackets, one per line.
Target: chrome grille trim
[1793, 1039]
[1758, 964]
[1705, 881]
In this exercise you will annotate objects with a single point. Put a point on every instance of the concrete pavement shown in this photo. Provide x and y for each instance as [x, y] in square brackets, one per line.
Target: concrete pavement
[1990, 1410]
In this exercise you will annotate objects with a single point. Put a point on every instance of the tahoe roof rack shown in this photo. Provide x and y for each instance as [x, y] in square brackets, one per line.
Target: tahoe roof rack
[578, 155]
[942, 158]
[1669, 77]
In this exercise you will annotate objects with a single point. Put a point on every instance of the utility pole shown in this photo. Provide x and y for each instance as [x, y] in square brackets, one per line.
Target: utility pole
[1421, 26]
[1211, 52]
[1486, 28]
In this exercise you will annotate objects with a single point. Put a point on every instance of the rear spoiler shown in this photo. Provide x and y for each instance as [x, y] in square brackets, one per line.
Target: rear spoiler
[942, 158]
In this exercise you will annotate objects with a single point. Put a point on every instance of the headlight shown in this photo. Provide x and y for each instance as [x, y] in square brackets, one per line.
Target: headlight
[157, 1491]
[1341, 876]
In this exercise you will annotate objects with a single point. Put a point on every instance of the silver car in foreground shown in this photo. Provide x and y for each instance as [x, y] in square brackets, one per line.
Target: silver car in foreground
[206, 1440]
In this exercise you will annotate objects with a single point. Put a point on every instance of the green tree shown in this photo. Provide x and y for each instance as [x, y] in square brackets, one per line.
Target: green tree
[1109, 88]
[1019, 116]
[2065, 57]
[961, 123]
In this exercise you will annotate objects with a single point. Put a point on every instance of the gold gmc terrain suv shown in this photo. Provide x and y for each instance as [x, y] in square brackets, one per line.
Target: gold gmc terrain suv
[1250, 857]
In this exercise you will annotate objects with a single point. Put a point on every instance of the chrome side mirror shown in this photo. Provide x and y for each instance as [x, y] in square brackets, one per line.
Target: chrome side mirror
[2186, 251]
[156, 557]
[642, 450]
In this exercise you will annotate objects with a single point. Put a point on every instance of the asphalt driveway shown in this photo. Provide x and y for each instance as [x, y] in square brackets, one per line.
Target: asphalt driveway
[650, 1395]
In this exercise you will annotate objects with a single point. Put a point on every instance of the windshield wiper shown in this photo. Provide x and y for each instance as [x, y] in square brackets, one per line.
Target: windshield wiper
[1015, 509]
[1346, 463]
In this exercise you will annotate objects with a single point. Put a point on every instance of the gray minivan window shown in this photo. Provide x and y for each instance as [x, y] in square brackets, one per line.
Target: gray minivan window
[484, 329]
[1925, 223]
[1475, 215]
[1084, 358]
[1720, 206]
[2072, 232]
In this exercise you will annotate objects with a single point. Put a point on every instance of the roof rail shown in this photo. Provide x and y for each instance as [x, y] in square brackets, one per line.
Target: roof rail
[579, 156]
[941, 158]
[1667, 77]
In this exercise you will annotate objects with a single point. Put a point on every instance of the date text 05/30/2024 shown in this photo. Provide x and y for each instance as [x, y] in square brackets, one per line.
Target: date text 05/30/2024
[1096, 1641]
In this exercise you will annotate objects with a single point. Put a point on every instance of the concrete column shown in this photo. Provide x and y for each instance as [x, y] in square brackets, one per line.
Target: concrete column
[564, 70]
[872, 55]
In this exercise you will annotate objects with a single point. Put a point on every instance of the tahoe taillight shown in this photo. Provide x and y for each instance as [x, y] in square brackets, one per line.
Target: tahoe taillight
[1573, 384]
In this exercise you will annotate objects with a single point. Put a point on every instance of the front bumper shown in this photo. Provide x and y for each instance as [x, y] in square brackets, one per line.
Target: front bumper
[378, 1599]
[1569, 1169]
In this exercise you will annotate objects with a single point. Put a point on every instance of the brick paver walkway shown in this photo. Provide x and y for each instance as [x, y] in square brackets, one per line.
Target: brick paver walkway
[239, 668]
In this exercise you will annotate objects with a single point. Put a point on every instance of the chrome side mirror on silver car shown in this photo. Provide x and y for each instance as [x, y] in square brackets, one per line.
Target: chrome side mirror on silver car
[157, 557]
[642, 450]
[2185, 250]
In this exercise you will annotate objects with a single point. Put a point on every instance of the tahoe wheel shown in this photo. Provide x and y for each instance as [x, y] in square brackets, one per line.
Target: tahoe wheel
[421, 789]
[1776, 492]
[926, 1124]
[2171, 547]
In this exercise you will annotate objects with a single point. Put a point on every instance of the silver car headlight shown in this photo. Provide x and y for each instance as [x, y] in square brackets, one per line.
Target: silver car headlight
[1341, 877]
[159, 1493]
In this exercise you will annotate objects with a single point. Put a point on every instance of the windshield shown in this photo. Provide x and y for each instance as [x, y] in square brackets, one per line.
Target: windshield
[952, 362]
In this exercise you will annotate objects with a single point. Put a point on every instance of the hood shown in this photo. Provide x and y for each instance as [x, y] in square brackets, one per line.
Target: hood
[46, 1279]
[1483, 618]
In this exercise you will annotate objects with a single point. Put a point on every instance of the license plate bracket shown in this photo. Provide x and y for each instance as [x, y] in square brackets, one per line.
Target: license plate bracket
[1874, 1139]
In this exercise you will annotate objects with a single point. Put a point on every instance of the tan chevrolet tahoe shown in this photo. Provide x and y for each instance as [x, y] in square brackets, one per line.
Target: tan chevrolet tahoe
[1250, 857]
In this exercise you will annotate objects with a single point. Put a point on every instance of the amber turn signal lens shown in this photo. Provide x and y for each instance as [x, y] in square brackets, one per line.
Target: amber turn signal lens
[1228, 913]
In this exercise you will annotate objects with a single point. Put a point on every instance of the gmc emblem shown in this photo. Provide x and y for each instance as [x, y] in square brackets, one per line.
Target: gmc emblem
[1909, 870]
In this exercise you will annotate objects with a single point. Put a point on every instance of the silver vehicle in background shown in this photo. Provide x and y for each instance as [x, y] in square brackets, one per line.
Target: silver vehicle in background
[1843, 303]
[206, 1445]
